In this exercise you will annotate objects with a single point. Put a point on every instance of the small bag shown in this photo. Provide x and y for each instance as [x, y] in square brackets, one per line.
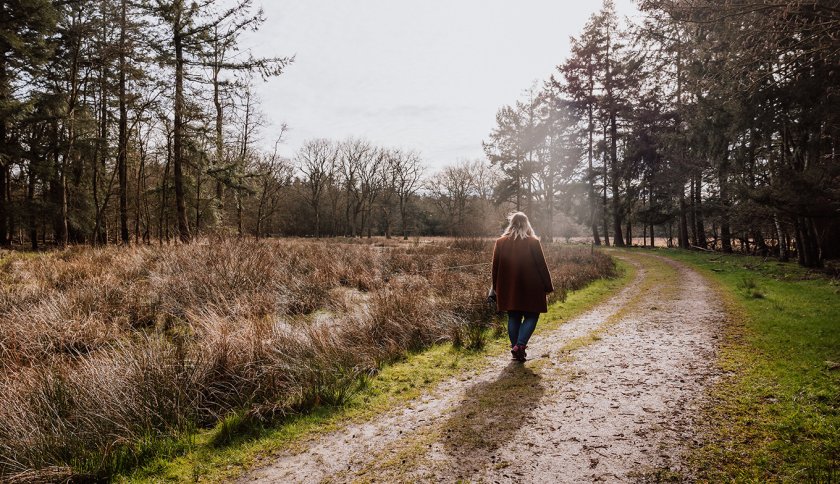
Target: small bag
[491, 296]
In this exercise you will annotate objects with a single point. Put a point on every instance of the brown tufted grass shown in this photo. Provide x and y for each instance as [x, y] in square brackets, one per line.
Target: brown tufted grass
[105, 352]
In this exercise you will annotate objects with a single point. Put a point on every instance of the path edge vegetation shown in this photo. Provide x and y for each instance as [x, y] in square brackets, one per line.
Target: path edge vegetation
[238, 444]
[774, 415]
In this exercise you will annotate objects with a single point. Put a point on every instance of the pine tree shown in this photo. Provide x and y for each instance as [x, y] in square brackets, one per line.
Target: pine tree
[26, 28]
[201, 36]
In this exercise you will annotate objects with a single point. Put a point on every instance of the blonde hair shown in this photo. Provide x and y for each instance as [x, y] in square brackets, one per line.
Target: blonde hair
[519, 227]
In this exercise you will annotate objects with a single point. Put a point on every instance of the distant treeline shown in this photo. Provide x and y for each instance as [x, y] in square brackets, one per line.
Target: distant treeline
[715, 123]
[711, 123]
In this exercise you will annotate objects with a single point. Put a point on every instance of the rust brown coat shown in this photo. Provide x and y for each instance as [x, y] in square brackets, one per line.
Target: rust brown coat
[520, 275]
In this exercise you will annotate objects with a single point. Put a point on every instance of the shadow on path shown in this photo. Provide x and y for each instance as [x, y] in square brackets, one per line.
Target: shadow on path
[489, 416]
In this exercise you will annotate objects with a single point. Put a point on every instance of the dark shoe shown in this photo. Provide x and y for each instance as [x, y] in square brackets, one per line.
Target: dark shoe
[515, 352]
[519, 353]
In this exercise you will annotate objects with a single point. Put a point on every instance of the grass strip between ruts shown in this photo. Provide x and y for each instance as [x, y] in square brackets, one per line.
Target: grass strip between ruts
[195, 457]
[775, 415]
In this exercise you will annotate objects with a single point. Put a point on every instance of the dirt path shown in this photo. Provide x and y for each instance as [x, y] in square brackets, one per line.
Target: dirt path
[611, 395]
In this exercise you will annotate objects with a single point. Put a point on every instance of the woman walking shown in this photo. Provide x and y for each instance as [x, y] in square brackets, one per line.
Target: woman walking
[520, 281]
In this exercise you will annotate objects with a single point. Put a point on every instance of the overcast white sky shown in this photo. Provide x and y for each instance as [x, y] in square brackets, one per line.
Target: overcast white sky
[426, 75]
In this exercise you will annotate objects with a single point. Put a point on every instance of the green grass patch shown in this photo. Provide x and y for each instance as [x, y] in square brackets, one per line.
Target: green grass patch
[235, 445]
[775, 416]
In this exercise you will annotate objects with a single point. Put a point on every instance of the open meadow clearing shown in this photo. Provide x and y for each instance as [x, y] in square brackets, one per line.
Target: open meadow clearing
[108, 352]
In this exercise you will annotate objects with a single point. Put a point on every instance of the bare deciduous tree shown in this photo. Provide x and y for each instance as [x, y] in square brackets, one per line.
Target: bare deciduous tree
[451, 189]
[316, 160]
[406, 175]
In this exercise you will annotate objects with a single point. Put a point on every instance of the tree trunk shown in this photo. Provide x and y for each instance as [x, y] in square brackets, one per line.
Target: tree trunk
[5, 233]
[692, 212]
[164, 190]
[652, 237]
[198, 201]
[178, 133]
[30, 205]
[63, 233]
[122, 162]
[260, 214]
[723, 180]
[670, 234]
[239, 227]
[683, 235]
[518, 185]
[698, 216]
[618, 240]
[782, 236]
[141, 201]
[402, 218]
[760, 244]
[100, 161]
[652, 231]
[218, 202]
[364, 221]
[807, 246]
[629, 233]
[549, 199]
[58, 190]
[347, 216]
[316, 208]
[217, 103]
[5, 238]
[605, 218]
[591, 176]
[644, 225]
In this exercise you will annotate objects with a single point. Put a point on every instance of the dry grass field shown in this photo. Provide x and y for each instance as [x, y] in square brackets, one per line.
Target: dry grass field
[106, 353]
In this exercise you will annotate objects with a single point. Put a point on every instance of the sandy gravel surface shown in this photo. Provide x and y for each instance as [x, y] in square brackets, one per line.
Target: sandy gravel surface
[612, 395]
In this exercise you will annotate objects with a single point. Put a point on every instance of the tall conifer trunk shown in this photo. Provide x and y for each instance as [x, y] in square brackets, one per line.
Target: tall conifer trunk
[618, 240]
[178, 131]
[4, 177]
[683, 226]
[698, 214]
[122, 158]
[593, 199]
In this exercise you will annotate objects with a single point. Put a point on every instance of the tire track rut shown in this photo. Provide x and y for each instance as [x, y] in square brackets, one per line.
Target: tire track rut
[610, 395]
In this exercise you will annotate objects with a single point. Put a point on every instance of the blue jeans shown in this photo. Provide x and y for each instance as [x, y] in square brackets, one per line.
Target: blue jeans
[521, 325]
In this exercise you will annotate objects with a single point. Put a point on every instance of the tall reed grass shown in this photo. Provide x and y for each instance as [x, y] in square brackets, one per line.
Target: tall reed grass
[105, 353]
